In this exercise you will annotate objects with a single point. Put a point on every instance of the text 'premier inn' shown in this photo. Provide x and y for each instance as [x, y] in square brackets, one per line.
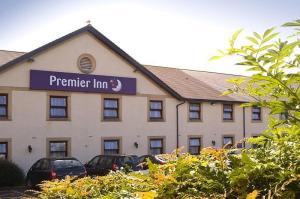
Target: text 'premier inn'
[62, 81]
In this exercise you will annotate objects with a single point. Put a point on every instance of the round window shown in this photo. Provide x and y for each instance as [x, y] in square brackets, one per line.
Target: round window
[86, 63]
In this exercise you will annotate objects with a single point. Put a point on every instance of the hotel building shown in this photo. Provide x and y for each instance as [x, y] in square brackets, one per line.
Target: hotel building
[81, 96]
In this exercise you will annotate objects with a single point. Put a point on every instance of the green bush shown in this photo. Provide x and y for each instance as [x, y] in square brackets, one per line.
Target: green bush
[10, 174]
[270, 171]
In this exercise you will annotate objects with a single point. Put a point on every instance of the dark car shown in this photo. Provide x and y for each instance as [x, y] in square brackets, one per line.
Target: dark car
[155, 159]
[102, 164]
[54, 168]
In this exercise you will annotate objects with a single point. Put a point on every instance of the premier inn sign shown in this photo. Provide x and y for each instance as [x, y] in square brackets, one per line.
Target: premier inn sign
[48, 80]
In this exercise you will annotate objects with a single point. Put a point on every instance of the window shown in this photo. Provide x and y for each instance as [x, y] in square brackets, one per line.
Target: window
[58, 149]
[256, 113]
[110, 109]
[228, 142]
[4, 150]
[156, 146]
[111, 147]
[227, 112]
[86, 63]
[194, 145]
[58, 107]
[156, 110]
[3, 106]
[195, 111]
[283, 116]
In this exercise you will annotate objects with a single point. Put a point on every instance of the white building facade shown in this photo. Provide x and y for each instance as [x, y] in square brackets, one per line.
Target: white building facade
[82, 96]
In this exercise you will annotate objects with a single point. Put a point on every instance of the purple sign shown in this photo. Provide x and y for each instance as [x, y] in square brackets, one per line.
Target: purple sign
[48, 80]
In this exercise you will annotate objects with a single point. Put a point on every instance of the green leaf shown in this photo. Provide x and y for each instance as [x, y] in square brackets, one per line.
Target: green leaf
[257, 35]
[266, 47]
[215, 57]
[237, 80]
[272, 36]
[228, 92]
[268, 31]
[289, 24]
[221, 52]
[252, 39]
[234, 37]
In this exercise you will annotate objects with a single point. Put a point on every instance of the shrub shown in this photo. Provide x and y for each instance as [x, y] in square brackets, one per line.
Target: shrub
[115, 185]
[270, 171]
[10, 174]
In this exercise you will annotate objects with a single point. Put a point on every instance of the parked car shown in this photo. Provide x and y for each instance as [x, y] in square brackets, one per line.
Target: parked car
[102, 164]
[54, 168]
[155, 159]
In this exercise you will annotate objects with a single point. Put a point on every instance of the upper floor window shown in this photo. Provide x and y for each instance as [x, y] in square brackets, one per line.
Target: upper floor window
[228, 141]
[256, 113]
[156, 146]
[195, 111]
[4, 150]
[227, 112]
[58, 149]
[156, 109]
[111, 147]
[194, 145]
[58, 107]
[3, 106]
[110, 109]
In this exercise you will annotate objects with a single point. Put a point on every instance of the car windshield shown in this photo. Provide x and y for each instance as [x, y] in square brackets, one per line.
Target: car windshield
[135, 159]
[126, 160]
[62, 164]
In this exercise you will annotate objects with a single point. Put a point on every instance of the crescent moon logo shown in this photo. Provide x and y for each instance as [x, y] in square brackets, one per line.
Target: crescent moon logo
[118, 87]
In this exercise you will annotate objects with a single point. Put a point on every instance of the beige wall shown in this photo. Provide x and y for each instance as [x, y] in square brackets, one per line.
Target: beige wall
[29, 124]
[213, 128]
[64, 57]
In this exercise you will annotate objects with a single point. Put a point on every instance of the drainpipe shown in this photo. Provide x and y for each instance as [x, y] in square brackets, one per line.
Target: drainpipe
[177, 124]
[244, 128]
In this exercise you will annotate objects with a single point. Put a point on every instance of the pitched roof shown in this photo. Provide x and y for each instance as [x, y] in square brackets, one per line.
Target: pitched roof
[197, 85]
[183, 84]
[7, 55]
[90, 29]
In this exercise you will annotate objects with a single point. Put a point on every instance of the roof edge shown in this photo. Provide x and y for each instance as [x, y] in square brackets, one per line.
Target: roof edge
[194, 70]
[89, 28]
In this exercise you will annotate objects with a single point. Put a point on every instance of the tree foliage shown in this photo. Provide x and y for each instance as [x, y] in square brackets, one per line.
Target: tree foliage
[275, 64]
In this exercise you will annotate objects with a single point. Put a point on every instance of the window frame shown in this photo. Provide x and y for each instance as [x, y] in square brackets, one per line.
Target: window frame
[107, 118]
[160, 110]
[111, 140]
[119, 139]
[59, 139]
[232, 139]
[66, 151]
[199, 111]
[200, 142]
[6, 154]
[66, 108]
[163, 146]
[6, 106]
[231, 112]
[260, 114]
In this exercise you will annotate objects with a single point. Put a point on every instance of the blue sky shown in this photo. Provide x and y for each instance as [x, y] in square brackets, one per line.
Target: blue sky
[169, 33]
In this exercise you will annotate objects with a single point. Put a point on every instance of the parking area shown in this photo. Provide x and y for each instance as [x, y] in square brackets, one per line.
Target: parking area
[16, 193]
